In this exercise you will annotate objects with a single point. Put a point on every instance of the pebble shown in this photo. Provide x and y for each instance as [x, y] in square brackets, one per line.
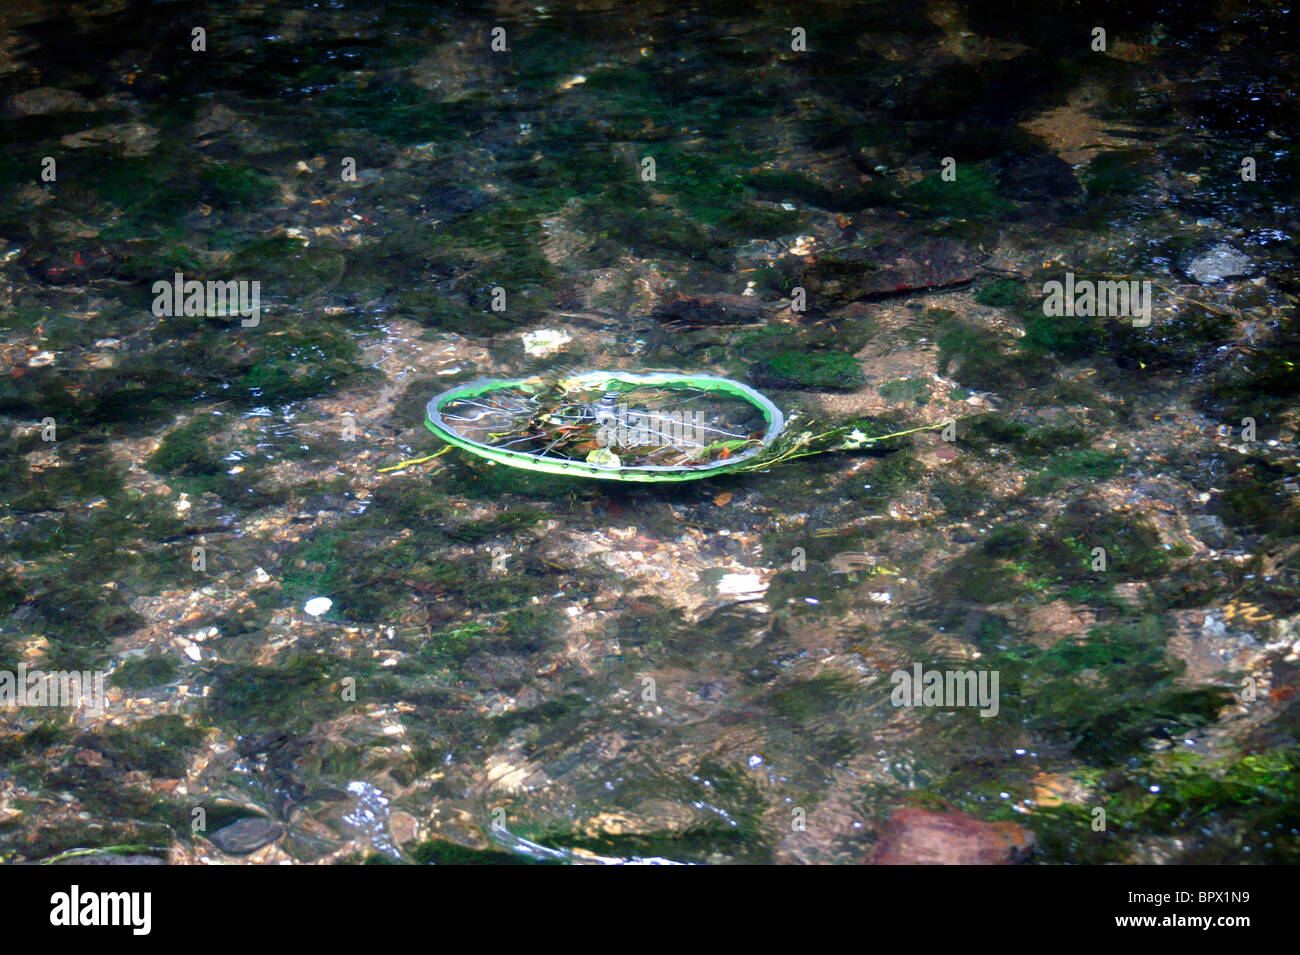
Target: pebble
[47, 99]
[545, 342]
[1217, 263]
[245, 836]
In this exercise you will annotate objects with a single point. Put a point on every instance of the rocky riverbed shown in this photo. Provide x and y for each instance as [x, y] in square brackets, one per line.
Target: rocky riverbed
[512, 667]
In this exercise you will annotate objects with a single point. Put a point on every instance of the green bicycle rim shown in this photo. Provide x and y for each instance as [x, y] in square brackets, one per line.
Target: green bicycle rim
[597, 379]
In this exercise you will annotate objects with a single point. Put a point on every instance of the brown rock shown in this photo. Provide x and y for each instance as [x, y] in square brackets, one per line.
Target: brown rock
[914, 836]
[707, 310]
[403, 826]
[247, 835]
[47, 99]
[893, 267]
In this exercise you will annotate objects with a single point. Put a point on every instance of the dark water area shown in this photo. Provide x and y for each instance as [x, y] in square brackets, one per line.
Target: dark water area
[314, 650]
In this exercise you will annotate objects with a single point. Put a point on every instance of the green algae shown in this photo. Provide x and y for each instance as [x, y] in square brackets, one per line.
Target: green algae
[1254, 795]
[700, 844]
[472, 532]
[973, 194]
[858, 104]
[370, 584]
[782, 186]
[57, 837]
[403, 113]
[1004, 293]
[199, 459]
[69, 572]
[910, 390]
[485, 481]
[542, 716]
[497, 246]
[1081, 465]
[156, 746]
[1257, 498]
[1106, 695]
[186, 450]
[289, 696]
[145, 672]
[80, 622]
[1118, 172]
[40, 737]
[1240, 809]
[448, 647]
[978, 357]
[811, 699]
[962, 499]
[287, 269]
[815, 371]
[1014, 562]
[442, 852]
[151, 190]
[761, 222]
[1263, 385]
[1065, 336]
[230, 187]
[625, 214]
[731, 831]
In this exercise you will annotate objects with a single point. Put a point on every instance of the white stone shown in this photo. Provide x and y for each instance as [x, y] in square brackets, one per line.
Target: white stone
[748, 586]
[317, 606]
[544, 342]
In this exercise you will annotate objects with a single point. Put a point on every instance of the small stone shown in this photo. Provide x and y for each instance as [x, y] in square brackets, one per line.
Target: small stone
[1217, 263]
[545, 342]
[317, 606]
[403, 826]
[742, 586]
[245, 836]
[134, 139]
[47, 99]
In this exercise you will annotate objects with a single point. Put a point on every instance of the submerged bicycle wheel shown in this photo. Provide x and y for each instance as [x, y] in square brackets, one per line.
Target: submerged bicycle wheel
[614, 425]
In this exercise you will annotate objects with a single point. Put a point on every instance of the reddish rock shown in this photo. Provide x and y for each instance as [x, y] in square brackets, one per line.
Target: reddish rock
[914, 836]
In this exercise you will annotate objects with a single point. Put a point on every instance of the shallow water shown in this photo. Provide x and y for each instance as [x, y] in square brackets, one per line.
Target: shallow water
[521, 667]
